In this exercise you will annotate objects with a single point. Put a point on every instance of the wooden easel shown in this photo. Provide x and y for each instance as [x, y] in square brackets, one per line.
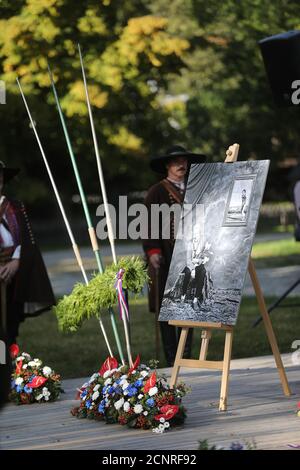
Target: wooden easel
[207, 329]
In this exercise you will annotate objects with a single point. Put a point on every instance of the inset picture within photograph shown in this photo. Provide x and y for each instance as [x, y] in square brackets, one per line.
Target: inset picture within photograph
[239, 201]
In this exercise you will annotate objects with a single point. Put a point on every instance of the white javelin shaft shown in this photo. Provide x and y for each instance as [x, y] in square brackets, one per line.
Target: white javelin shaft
[100, 171]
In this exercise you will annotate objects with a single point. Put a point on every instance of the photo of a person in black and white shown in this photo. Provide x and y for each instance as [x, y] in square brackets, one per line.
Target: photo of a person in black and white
[194, 282]
[237, 207]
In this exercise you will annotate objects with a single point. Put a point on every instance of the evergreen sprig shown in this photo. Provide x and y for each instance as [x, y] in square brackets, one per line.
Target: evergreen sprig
[87, 301]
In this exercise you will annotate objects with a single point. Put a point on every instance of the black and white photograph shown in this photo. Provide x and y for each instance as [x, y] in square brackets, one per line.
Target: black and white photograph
[239, 201]
[210, 260]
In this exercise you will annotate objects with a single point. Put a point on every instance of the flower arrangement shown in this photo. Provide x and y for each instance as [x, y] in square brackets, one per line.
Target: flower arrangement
[31, 381]
[136, 397]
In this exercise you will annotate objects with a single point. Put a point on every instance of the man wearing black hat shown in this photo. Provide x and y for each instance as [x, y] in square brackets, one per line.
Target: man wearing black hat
[25, 286]
[170, 190]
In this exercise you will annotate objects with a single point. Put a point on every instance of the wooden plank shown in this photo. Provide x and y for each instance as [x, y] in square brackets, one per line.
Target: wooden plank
[197, 324]
[199, 364]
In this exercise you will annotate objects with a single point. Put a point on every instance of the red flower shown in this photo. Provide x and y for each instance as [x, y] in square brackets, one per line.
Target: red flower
[150, 383]
[19, 366]
[14, 350]
[167, 412]
[135, 364]
[37, 382]
[109, 364]
[298, 405]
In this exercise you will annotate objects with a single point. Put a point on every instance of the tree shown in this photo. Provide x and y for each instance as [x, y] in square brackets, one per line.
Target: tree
[128, 53]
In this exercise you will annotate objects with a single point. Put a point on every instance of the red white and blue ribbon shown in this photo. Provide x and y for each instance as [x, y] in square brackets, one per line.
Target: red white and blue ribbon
[123, 307]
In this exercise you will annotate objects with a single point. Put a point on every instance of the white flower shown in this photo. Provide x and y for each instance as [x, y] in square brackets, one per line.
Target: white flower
[140, 396]
[161, 428]
[95, 395]
[167, 424]
[107, 382]
[32, 364]
[144, 373]
[145, 413]
[19, 381]
[153, 391]
[138, 409]
[162, 420]
[119, 403]
[27, 356]
[94, 377]
[39, 397]
[108, 373]
[96, 387]
[25, 366]
[38, 362]
[46, 394]
[133, 372]
[125, 376]
[126, 406]
[125, 392]
[125, 384]
[20, 358]
[47, 371]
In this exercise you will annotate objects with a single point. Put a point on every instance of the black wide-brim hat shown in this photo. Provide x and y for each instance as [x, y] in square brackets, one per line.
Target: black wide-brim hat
[158, 163]
[8, 173]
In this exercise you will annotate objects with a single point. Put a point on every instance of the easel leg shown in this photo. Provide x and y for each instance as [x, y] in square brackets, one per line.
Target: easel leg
[179, 355]
[205, 336]
[226, 369]
[3, 307]
[269, 328]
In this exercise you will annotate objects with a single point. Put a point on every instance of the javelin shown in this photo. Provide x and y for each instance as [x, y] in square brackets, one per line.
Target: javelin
[69, 230]
[104, 195]
[91, 229]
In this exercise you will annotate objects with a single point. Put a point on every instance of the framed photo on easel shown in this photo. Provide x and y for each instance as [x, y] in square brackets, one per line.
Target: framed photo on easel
[207, 272]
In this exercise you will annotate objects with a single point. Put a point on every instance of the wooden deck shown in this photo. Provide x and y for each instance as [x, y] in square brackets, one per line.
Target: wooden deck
[257, 410]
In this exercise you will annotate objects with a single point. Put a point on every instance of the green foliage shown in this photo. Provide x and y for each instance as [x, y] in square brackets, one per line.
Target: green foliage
[87, 301]
[125, 48]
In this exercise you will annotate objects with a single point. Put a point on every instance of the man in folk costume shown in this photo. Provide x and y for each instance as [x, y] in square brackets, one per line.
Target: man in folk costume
[25, 285]
[170, 190]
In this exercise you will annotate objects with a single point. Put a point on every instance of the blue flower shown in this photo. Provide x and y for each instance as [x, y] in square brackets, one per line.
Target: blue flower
[104, 389]
[138, 383]
[131, 390]
[27, 389]
[19, 388]
[88, 403]
[118, 381]
[83, 394]
[101, 407]
[111, 390]
[150, 402]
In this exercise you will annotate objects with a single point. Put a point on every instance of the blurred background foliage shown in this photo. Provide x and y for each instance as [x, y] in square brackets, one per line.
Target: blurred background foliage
[159, 73]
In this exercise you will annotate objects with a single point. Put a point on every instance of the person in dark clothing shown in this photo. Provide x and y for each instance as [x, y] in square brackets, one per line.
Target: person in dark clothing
[170, 190]
[25, 285]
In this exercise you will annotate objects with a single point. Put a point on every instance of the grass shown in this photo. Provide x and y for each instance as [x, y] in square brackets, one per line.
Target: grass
[276, 253]
[80, 354]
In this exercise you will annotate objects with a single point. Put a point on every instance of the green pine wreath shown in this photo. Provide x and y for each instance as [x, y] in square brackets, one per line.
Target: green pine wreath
[87, 301]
